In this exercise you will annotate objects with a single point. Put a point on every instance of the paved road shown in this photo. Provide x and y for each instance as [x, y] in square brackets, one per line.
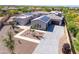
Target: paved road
[49, 45]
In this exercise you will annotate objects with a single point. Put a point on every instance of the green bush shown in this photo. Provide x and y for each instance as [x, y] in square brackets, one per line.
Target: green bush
[72, 27]
[76, 45]
[1, 15]
[12, 12]
[9, 42]
[77, 36]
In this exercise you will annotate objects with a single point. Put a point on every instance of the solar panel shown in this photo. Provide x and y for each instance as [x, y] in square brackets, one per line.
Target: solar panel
[45, 18]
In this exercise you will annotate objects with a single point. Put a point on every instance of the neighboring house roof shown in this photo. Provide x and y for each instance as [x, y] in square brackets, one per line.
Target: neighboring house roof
[12, 8]
[56, 12]
[8, 8]
[43, 18]
[55, 17]
[5, 8]
[22, 16]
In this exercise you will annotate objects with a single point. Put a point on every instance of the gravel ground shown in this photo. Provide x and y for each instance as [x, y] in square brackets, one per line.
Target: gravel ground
[30, 34]
[3, 32]
[62, 41]
[24, 47]
[21, 46]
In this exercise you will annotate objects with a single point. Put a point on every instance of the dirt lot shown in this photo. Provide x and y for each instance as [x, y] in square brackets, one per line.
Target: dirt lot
[24, 47]
[21, 46]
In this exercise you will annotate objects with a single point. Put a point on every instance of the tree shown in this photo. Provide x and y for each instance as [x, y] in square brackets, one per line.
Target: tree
[12, 12]
[9, 42]
[1, 7]
[77, 21]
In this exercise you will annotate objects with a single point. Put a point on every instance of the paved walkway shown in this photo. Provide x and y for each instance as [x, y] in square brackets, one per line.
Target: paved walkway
[49, 45]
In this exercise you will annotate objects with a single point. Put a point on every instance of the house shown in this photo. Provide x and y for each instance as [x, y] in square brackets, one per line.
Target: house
[59, 13]
[22, 19]
[41, 22]
[56, 19]
[9, 8]
[33, 14]
[26, 18]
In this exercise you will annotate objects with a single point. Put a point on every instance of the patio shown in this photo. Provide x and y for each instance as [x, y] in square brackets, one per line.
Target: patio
[49, 44]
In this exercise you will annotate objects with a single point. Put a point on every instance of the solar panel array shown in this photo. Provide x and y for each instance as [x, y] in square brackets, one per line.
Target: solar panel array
[45, 18]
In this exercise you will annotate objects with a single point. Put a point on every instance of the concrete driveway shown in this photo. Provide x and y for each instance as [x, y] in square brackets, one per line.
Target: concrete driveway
[49, 44]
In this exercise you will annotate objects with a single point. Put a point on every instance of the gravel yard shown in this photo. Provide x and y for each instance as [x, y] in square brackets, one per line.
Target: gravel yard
[24, 47]
[3, 35]
[33, 34]
[62, 41]
[48, 44]
[21, 46]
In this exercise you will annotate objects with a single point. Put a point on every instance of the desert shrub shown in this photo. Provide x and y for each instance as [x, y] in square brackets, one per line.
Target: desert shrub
[66, 48]
[1, 15]
[73, 28]
[9, 42]
[76, 45]
[77, 36]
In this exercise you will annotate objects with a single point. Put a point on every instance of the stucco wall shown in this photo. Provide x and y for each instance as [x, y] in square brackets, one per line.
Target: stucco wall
[43, 25]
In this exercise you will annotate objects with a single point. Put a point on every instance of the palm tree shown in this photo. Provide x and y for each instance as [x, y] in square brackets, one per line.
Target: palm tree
[9, 42]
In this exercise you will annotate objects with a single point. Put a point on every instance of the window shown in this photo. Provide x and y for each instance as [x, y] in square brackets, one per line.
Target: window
[38, 26]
